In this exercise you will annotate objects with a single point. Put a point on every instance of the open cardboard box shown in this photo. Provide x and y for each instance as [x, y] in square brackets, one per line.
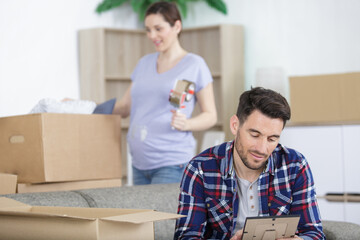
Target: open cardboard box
[22, 221]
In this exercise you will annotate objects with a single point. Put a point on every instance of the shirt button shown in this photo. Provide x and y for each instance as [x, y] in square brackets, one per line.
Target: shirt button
[269, 204]
[252, 206]
[251, 197]
[250, 187]
[208, 205]
[230, 209]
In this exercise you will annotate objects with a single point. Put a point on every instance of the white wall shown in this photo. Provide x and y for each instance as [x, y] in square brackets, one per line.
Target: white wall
[302, 37]
[38, 48]
[38, 42]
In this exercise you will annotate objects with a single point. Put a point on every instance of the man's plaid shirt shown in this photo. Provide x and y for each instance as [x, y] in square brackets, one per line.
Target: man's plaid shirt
[210, 202]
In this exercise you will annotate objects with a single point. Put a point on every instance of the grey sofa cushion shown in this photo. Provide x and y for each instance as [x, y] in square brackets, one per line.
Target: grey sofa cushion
[160, 197]
[62, 199]
[335, 230]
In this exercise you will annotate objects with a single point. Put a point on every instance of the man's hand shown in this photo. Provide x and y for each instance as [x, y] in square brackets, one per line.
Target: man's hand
[295, 237]
[237, 235]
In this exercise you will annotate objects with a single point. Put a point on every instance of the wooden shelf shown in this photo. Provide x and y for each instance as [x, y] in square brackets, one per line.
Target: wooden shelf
[216, 75]
[118, 78]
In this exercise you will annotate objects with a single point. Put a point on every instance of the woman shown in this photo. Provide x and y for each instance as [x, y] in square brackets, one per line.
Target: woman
[160, 138]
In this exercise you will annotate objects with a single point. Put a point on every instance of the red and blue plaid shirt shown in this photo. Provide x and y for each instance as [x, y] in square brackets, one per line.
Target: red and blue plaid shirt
[210, 202]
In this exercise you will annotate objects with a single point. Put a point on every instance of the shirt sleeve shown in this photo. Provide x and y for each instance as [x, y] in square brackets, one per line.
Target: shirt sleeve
[305, 204]
[191, 204]
[204, 76]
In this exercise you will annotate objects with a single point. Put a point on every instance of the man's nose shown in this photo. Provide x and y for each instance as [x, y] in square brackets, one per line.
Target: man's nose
[262, 145]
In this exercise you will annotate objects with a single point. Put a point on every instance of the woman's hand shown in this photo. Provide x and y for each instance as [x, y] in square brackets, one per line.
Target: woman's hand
[123, 106]
[179, 121]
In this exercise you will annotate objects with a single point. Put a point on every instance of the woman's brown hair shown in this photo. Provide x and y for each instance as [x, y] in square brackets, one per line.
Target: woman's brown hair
[167, 9]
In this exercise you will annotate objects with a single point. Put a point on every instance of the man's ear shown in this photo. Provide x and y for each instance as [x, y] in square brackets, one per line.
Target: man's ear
[234, 124]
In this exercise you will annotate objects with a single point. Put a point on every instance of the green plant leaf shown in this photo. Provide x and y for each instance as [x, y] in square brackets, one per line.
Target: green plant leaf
[218, 5]
[106, 5]
[136, 5]
[140, 6]
[142, 10]
[182, 7]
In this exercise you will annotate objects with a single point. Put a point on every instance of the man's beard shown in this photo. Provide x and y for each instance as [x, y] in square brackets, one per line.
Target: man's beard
[238, 148]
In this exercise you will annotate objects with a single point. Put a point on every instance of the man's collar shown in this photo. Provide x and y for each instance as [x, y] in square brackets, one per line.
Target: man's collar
[228, 168]
[270, 167]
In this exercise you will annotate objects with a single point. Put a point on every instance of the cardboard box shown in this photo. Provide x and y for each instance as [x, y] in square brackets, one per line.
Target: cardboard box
[22, 221]
[7, 183]
[331, 98]
[50, 147]
[67, 186]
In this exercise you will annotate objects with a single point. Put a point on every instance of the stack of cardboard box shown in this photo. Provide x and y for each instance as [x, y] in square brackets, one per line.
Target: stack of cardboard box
[325, 99]
[53, 152]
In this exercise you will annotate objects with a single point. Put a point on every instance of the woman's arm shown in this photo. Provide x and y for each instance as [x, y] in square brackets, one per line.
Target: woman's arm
[122, 107]
[207, 117]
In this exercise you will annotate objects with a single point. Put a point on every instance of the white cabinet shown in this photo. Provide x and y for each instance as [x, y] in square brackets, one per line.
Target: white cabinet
[333, 156]
[352, 212]
[351, 136]
[332, 210]
[322, 147]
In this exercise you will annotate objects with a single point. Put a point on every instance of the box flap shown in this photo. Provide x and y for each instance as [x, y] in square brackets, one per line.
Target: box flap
[23, 213]
[10, 206]
[6, 203]
[143, 217]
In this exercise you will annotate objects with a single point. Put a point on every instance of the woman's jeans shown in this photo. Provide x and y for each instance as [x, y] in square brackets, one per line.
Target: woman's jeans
[168, 174]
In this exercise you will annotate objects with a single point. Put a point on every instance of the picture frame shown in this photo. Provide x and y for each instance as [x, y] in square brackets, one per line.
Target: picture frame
[270, 227]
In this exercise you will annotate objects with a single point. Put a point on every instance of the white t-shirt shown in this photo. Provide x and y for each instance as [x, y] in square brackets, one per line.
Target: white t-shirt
[248, 201]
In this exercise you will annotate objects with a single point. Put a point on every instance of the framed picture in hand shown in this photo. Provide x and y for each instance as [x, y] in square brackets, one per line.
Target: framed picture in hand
[271, 227]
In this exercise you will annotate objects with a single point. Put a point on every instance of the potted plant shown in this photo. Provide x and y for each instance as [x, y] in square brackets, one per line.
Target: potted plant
[140, 6]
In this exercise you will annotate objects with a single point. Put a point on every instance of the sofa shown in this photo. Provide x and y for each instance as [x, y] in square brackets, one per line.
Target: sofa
[161, 197]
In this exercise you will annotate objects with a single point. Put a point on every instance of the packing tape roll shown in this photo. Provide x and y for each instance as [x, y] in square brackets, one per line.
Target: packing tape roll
[183, 91]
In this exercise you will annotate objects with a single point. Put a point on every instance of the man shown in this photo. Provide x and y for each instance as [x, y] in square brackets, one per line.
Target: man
[253, 175]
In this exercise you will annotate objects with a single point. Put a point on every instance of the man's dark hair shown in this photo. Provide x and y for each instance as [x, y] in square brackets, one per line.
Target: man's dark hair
[267, 101]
